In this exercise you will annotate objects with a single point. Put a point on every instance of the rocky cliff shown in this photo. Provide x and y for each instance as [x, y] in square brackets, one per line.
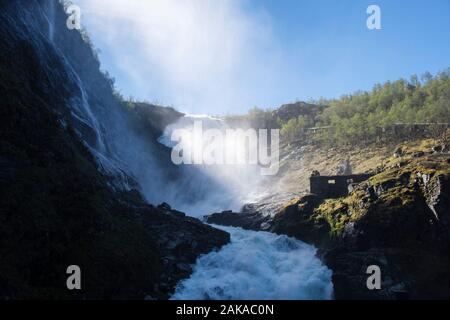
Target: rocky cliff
[65, 198]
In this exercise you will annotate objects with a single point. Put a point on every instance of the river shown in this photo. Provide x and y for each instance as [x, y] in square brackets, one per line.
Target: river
[258, 266]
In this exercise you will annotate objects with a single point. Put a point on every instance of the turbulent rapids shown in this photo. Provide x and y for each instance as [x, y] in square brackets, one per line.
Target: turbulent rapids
[258, 265]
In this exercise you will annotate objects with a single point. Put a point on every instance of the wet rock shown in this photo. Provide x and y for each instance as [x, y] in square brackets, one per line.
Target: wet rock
[295, 220]
[184, 267]
[249, 221]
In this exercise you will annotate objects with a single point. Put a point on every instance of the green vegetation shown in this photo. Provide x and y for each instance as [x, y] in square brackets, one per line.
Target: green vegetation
[395, 111]
[296, 127]
[255, 118]
[337, 213]
[362, 116]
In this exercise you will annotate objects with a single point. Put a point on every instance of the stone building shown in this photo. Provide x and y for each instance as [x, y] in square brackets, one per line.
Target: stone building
[334, 186]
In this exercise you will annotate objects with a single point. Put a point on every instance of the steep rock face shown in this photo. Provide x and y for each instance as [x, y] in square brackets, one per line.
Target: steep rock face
[153, 119]
[59, 206]
[437, 194]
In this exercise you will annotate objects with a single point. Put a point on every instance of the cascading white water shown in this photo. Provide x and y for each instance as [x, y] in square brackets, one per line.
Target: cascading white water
[82, 103]
[51, 13]
[254, 265]
[240, 183]
[258, 266]
[82, 112]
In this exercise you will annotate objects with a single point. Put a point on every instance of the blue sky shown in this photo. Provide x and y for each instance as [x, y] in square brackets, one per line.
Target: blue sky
[223, 57]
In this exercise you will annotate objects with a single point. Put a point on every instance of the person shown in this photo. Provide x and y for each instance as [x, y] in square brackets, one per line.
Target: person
[315, 173]
[345, 168]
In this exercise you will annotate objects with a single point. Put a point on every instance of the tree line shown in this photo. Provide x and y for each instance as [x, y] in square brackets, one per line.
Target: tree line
[393, 110]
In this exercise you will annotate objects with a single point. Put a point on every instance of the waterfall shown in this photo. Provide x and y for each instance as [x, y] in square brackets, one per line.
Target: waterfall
[230, 185]
[130, 158]
[255, 264]
[51, 15]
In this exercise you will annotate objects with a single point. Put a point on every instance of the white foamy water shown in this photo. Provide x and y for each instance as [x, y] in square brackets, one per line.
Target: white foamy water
[260, 266]
[239, 183]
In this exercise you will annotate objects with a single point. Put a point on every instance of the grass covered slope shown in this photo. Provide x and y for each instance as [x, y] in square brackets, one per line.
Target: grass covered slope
[416, 173]
[398, 220]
